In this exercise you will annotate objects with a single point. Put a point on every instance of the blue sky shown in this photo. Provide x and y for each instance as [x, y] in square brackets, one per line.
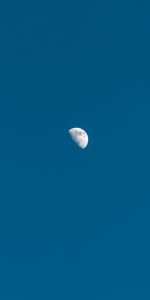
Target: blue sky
[74, 224]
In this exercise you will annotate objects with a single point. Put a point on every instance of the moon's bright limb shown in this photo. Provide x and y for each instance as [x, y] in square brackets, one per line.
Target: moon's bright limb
[79, 136]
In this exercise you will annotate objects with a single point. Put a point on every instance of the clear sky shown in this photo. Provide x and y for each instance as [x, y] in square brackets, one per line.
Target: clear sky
[74, 224]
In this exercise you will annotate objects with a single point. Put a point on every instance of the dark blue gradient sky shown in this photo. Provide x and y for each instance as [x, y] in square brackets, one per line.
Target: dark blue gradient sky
[74, 224]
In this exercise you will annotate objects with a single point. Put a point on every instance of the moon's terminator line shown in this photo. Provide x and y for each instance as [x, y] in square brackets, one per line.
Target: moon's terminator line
[79, 136]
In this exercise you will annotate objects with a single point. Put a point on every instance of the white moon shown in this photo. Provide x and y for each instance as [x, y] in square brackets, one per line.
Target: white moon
[79, 136]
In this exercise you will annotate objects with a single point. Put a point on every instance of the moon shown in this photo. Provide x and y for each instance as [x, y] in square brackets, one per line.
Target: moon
[79, 136]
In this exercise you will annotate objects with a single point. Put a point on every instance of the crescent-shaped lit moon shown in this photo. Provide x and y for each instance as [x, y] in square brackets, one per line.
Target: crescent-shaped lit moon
[79, 136]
